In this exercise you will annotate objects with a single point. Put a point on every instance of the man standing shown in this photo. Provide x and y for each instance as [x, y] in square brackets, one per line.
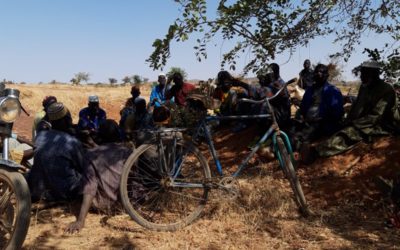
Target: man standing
[180, 90]
[306, 75]
[372, 114]
[157, 96]
[91, 116]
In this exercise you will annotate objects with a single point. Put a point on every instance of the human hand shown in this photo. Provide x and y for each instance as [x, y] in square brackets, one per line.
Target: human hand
[74, 227]
[154, 101]
[23, 139]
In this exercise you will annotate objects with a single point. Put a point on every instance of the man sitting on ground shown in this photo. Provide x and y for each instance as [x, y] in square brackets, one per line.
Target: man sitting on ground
[92, 116]
[371, 115]
[41, 115]
[58, 158]
[102, 173]
[321, 108]
[139, 120]
[180, 90]
[157, 95]
[270, 83]
[227, 95]
[129, 107]
[228, 91]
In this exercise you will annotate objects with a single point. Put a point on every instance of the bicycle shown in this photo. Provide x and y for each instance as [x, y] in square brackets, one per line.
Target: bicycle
[165, 183]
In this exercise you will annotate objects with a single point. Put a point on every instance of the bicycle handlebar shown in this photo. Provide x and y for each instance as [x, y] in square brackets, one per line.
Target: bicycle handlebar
[268, 98]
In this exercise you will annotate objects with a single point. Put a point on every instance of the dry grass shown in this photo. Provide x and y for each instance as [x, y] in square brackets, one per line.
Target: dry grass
[262, 217]
[225, 224]
[75, 97]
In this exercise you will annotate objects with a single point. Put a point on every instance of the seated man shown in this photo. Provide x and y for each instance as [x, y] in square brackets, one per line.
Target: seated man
[102, 173]
[47, 101]
[180, 90]
[157, 95]
[371, 115]
[92, 116]
[270, 83]
[139, 120]
[58, 163]
[321, 108]
[228, 91]
[129, 107]
[228, 95]
[21, 150]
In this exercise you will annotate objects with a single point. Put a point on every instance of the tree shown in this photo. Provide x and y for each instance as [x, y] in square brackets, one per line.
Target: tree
[177, 69]
[79, 77]
[268, 28]
[145, 79]
[137, 79]
[74, 81]
[112, 81]
[335, 69]
[126, 80]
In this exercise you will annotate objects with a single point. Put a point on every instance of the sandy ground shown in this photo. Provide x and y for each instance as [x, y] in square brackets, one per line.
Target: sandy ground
[349, 210]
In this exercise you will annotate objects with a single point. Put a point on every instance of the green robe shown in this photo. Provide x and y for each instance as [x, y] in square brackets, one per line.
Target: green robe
[370, 115]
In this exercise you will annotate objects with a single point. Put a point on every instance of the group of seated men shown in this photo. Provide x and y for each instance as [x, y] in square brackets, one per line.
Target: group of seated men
[321, 115]
[85, 160]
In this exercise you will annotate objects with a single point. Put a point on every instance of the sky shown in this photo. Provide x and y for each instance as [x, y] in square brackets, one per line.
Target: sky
[45, 40]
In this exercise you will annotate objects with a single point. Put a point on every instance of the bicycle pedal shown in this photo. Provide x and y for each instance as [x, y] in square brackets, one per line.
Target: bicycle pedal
[229, 187]
[229, 194]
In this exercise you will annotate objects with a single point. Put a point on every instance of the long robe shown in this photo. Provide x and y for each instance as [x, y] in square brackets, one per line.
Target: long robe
[371, 115]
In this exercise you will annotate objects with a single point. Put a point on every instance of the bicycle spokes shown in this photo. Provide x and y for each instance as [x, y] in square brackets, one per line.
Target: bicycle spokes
[159, 200]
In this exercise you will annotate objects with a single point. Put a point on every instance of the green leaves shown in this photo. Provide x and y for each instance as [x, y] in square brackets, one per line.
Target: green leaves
[267, 28]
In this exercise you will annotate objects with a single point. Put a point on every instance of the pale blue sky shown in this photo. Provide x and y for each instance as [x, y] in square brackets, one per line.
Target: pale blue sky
[44, 40]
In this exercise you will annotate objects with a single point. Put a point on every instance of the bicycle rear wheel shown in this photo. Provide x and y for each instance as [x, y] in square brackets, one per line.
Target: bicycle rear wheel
[288, 169]
[149, 190]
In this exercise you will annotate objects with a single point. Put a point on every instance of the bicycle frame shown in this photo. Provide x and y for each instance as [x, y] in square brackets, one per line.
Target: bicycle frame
[273, 130]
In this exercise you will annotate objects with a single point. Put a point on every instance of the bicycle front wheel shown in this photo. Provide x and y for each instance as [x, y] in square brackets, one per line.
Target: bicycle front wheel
[163, 186]
[288, 169]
